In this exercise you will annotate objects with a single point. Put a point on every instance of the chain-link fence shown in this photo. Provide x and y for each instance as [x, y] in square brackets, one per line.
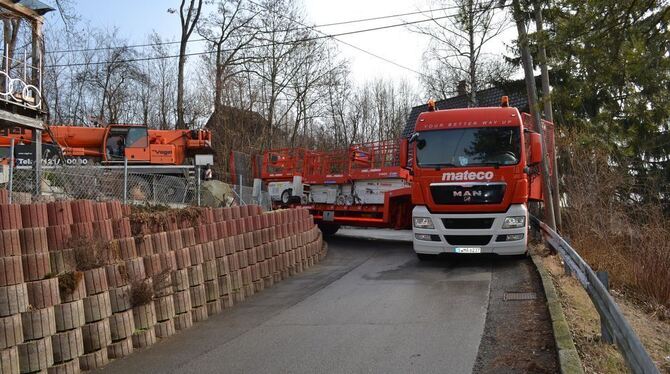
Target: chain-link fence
[128, 185]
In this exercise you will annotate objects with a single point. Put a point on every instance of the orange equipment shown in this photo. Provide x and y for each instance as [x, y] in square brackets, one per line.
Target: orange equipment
[114, 143]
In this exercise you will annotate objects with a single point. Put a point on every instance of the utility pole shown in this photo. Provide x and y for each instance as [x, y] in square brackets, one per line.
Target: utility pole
[527, 60]
[546, 105]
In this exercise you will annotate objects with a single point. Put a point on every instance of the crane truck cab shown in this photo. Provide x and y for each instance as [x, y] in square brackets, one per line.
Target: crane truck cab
[474, 171]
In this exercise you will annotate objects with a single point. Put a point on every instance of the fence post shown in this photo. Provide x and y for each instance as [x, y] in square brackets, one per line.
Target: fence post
[605, 333]
[197, 172]
[125, 180]
[37, 139]
[240, 194]
[11, 170]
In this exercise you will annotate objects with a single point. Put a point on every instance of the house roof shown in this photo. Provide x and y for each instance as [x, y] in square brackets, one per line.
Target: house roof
[515, 90]
[35, 5]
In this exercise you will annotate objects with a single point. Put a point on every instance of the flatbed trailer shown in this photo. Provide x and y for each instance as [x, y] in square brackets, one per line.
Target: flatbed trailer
[361, 185]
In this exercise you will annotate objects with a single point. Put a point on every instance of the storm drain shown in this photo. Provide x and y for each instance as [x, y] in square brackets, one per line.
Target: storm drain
[518, 296]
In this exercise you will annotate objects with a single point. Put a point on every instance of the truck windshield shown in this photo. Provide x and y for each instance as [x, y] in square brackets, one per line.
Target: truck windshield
[469, 147]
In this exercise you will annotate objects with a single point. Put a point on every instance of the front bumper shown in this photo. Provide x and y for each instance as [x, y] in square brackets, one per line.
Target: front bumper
[439, 233]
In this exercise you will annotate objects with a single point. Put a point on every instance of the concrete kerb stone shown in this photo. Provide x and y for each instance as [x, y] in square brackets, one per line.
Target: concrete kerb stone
[568, 357]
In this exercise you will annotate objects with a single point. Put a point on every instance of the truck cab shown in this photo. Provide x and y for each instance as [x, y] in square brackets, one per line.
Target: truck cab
[131, 142]
[473, 172]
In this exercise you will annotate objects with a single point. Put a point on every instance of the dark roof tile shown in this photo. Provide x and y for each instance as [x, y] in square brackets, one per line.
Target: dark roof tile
[515, 90]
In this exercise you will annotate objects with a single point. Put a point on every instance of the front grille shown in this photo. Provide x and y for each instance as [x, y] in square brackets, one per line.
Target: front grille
[468, 194]
[467, 223]
[468, 239]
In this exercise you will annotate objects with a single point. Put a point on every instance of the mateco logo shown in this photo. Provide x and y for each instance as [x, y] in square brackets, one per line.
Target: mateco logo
[468, 176]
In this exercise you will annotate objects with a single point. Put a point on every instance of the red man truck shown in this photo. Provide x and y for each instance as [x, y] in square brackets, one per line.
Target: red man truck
[470, 174]
[474, 171]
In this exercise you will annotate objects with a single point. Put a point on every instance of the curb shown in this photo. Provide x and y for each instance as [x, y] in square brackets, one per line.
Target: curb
[568, 358]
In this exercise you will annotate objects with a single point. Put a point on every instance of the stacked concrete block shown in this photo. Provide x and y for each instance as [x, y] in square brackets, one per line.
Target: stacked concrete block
[121, 323]
[196, 281]
[97, 310]
[165, 314]
[145, 319]
[39, 324]
[68, 342]
[195, 263]
[210, 276]
[182, 296]
[13, 292]
[59, 236]
[82, 217]
[38, 320]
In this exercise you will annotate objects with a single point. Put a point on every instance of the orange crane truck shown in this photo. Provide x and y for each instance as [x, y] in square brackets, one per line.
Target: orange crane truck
[111, 145]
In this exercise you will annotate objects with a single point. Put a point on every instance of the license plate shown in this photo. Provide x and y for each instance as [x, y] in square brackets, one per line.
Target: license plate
[329, 215]
[468, 250]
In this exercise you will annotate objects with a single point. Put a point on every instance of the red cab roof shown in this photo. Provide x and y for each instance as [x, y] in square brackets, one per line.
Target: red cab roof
[468, 117]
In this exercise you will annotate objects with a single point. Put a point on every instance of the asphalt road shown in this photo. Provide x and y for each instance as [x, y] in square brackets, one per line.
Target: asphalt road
[369, 307]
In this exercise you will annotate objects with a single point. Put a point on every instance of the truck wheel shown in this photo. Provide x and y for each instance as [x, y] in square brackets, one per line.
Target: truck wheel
[328, 229]
[171, 189]
[425, 257]
[286, 196]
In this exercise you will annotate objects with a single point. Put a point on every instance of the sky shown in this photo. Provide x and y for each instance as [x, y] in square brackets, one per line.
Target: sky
[135, 19]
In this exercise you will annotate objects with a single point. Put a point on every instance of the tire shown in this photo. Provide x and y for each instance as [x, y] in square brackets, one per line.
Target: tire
[139, 189]
[329, 229]
[286, 196]
[425, 257]
[171, 189]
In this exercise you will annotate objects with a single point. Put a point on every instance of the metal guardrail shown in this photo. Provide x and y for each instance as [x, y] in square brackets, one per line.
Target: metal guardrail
[632, 350]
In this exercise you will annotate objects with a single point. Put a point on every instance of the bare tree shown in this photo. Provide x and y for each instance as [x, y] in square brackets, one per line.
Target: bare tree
[456, 50]
[309, 84]
[274, 63]
[229, 30]
[162, 70]
[188, 17]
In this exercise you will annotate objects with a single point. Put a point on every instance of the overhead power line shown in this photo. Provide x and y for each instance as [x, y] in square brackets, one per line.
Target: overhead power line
[340, 23]
[334, 37]
[322, 36]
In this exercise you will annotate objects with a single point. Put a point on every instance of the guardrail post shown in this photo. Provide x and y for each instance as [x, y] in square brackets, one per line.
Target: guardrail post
[125, 180]
[11, 170]
[605, 333]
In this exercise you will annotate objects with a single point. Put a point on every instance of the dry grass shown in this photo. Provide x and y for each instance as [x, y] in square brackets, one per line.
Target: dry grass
[68, 282]
[141, 293]
[612, 228]
[584, 322]
[90, 254]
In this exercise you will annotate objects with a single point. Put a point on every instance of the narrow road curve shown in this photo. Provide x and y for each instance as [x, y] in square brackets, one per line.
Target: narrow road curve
[369, 307]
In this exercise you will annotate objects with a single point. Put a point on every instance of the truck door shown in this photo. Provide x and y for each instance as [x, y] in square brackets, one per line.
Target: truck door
[137, 144]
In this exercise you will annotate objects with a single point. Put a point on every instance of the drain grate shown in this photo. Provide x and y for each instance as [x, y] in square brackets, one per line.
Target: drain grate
[518, 296]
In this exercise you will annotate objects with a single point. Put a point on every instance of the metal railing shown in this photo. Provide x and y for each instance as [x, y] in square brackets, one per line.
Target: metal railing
[613, 323]
[20, 81]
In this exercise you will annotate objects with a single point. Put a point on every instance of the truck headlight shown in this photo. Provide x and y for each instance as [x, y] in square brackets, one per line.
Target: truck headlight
[514, 222]
[423, 223]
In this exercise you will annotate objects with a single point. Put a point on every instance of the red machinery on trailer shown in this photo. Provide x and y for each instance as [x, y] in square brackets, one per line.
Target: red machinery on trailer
[362, 185]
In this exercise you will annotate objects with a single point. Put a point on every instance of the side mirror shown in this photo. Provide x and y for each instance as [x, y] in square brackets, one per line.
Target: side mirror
[404, 147]
[414, 137]
[535, 148]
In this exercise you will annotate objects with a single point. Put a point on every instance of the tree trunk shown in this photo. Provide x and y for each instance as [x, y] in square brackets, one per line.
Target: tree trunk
[527, 61]
[180, 85]
[472, 102]
[546, 105]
